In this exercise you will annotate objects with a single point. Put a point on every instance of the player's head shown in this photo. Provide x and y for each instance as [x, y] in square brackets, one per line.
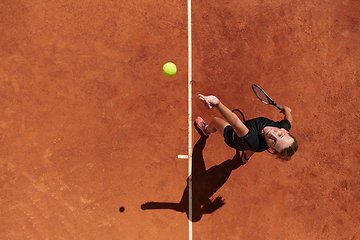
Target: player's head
[287, 152]
[280, 141]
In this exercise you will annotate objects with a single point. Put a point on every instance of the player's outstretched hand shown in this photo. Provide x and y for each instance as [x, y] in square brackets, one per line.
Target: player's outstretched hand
[209, 101]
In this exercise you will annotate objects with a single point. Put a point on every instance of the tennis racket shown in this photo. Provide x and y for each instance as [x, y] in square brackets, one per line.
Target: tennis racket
[261, 94]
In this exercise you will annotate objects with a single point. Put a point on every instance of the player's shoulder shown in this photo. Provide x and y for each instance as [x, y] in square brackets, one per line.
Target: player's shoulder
[285, 124]
[258, 123]
[260, 120]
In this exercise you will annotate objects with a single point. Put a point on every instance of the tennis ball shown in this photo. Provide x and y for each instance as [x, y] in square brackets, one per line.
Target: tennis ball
[169, 69]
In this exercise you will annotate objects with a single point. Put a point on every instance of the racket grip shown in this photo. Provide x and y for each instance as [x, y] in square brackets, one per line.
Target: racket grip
[279, 107]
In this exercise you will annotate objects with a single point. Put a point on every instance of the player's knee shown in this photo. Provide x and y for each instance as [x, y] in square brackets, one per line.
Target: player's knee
[217, 120]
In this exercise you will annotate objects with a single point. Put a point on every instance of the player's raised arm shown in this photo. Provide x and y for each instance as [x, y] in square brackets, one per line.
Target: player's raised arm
[209, 101]
[230, 117]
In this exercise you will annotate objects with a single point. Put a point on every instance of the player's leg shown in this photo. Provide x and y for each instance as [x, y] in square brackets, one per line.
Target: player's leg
[217, 124]
[247, 155]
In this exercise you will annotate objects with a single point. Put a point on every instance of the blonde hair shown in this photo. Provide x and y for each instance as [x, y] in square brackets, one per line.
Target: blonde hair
[289, 151]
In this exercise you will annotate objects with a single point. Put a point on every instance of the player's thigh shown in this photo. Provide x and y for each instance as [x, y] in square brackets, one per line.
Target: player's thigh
[219, 124]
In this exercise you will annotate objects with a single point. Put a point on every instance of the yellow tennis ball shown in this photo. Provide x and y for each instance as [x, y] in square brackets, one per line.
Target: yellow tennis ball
[169, 69]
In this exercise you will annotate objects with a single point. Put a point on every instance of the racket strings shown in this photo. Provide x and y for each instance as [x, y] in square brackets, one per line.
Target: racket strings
[261, 95]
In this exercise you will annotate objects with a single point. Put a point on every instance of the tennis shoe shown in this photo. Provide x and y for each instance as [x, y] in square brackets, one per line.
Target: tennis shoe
[243, 157]
[202, 126]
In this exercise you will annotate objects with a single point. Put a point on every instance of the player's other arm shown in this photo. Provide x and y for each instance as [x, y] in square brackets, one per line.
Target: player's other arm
[287, 112]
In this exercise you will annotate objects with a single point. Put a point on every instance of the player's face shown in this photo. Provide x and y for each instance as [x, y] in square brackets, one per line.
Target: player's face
[277, 138]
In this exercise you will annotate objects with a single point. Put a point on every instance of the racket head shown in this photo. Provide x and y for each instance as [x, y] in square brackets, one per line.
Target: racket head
[261, 94]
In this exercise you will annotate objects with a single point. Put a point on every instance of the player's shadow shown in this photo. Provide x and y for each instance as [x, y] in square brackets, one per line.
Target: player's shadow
[204, 185]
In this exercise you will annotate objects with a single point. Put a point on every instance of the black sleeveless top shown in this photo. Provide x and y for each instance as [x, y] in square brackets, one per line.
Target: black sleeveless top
[253, 140]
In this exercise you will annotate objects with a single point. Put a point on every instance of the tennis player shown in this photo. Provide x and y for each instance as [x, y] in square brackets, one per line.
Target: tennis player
[254, 135]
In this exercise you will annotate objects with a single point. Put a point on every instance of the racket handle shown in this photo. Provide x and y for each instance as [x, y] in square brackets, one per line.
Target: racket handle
[279, 107]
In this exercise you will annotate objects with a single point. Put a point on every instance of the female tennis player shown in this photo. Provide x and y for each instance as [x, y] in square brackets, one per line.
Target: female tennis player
[255, 135]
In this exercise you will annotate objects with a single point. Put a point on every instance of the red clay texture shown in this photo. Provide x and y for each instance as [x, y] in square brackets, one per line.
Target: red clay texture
[89, 123]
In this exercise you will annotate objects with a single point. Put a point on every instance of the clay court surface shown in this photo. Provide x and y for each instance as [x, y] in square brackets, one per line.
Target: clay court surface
[89, 123]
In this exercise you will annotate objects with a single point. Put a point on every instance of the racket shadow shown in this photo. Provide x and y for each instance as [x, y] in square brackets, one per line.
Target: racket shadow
[205, 183]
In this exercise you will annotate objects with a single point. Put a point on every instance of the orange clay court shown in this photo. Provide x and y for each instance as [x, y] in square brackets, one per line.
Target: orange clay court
[91, 128]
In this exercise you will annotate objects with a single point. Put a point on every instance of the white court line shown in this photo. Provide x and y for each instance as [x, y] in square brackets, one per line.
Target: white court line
[190, 115]
[183, 156]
